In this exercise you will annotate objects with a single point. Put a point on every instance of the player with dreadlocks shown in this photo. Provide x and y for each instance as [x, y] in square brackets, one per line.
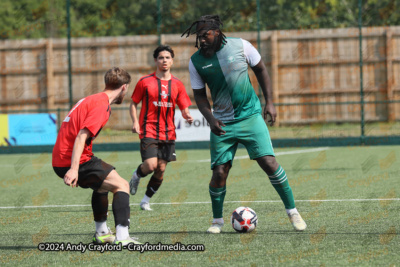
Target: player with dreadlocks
[221, 63]
[210, 22]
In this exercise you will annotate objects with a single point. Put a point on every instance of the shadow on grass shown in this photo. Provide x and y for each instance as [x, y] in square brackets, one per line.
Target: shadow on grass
[17, 247]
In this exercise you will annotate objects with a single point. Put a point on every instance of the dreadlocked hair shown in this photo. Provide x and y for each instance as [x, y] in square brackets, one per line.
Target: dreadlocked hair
[213, 22]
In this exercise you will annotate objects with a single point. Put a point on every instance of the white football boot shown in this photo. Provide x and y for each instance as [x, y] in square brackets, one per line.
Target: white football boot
[216, 226]
[298, 223]
[145, 206]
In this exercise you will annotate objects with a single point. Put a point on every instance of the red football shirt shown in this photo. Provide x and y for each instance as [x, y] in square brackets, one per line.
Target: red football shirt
[92, 113]
[159, 98]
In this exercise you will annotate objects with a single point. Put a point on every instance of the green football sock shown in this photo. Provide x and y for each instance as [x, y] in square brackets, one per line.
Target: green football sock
[217, 199]
[281, 184]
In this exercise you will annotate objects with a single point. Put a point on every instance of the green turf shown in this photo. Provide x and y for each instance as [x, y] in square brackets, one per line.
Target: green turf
[339, 233]
[316, 130]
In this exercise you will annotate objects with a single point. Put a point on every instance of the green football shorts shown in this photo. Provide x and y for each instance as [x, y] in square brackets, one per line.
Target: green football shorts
[251, 132]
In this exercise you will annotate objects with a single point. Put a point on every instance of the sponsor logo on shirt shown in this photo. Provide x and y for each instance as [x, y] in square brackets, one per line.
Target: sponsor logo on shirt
[164, 94]
[162, 104]
[205, 67]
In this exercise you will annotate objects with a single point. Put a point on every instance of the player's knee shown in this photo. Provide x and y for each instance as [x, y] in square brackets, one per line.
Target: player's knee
[122, 185]
[160, 169]
[269, 162]
[219, 174]
[152, 167]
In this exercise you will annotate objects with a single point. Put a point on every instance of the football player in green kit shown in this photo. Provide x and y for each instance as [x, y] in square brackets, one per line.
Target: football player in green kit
[222, 63]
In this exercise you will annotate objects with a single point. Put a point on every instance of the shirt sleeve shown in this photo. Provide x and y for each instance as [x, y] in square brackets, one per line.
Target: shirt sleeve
[251, 53]
[183, 100]
[195, 79]
[96, 118]
[137, 94]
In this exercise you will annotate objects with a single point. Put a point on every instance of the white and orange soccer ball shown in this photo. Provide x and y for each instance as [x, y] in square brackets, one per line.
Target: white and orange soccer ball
[244, 219]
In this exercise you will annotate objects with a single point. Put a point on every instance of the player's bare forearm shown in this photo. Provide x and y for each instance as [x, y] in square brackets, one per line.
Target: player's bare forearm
[200, 96]
[264, 81]
[186, 115]
[71, 177]
[78, 148]
[133, 111]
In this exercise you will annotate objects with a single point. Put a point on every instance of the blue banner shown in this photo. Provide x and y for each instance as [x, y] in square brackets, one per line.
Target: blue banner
[32, 129]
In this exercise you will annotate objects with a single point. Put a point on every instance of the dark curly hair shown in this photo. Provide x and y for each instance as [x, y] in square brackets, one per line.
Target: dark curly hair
[212, 22]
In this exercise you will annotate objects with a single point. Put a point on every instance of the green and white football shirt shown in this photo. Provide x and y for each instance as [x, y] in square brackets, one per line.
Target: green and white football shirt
[226, 74]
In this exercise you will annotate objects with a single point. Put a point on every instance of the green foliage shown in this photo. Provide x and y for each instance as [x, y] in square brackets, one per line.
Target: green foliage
[47, 18]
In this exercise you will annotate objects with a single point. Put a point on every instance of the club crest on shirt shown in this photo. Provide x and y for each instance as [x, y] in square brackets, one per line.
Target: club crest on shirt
[164, 94]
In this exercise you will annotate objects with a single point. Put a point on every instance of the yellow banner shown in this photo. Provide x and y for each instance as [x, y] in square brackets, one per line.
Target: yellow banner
[3, 129]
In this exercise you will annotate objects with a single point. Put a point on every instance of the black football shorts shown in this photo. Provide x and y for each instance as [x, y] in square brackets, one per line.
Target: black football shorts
[91, 174]
[161, 149]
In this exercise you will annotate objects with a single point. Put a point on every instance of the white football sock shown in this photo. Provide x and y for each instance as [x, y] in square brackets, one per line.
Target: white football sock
[291, 210]
[218, 220]
[146, 199]
[122, 232]
[101, 227]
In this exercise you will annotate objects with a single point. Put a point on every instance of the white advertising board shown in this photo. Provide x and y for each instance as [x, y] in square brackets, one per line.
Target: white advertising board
[198, 131]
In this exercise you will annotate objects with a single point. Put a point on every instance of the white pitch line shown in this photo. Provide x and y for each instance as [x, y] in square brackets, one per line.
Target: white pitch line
[276, 154]
[208, 202]
[201, 160]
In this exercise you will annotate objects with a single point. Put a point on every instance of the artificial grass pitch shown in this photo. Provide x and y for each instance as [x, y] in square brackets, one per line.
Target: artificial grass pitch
[348, 197]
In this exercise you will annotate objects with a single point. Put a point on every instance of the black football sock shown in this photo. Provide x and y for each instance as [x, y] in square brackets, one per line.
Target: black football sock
[121, 209]
[139, 172]
[100, 206]
[153, 186]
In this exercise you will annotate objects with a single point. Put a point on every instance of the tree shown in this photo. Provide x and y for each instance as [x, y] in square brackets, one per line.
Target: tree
[47, 18]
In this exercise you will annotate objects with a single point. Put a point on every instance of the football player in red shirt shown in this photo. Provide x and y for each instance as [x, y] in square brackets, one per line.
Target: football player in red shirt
[159, 92]
[73, 159]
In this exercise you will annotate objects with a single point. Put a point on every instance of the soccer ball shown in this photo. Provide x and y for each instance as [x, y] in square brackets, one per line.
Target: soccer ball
[244, 220]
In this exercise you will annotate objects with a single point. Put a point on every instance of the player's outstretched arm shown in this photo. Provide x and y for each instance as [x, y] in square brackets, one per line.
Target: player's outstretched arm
[200, 96]
[133, 112]
[265, 82]
[71, 177]
[186, 115]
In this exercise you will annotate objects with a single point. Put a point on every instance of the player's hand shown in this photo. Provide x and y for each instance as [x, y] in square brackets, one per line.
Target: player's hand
[270, 110]
[215, 127]
[188, 118]
[136, 128]
[71, 178]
